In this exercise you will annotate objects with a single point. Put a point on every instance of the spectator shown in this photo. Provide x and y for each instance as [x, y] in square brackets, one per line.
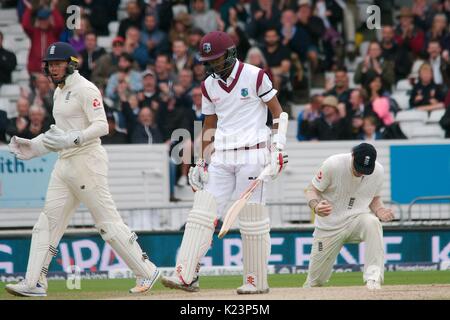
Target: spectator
[3, 126]
[375, 65]
[199, 72]
[77, 39]
[185, 78]
[164, 75]
[445, 122]
[108, 63]
[279, 60]
[341, 89]
[17, 125]
[265, 15]
[181, 27]
[134, 47]
[422, 14]
[149, 92]
[163, 11]
[256, 58]
[90, 55]
[47, 29]
[42, 94]
[146, 130]
[407, 34]
[438, 31]
[379, 103]
[314, 27]
[293, 37]
[330, 126]
[240, 40]
[113, 136]
[440, 65]
[237, 16]
[8, 63]
[134, 19]
[398, 55]
[309, 115]
[369, 130]
[204, 18]
[125, 79]
[38, 123]
[194, 37]
[99, 12]
[426, 94]
[180, 57]
[153, 38]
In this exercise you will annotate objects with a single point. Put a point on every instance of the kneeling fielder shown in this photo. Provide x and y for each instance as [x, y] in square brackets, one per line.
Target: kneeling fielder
[345, 196]
[80, 175]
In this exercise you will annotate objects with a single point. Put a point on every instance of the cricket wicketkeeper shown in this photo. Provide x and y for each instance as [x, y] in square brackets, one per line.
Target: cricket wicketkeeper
[79, 175]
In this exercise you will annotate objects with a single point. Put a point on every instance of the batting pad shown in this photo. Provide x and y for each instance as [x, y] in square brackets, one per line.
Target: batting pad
[197, 235]
[40, 250]
[123, 241]
[255, 227]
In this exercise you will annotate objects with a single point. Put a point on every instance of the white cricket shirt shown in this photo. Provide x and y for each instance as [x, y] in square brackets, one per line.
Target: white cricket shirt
[347, 194]
[77, 106]
[239, 105]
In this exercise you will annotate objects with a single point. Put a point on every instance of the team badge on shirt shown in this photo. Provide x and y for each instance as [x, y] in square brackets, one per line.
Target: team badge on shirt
[244, 92]
[96, 103]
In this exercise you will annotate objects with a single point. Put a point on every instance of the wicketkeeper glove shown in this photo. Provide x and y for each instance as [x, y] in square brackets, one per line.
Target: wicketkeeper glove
[198, 175]
[57, 139]
[26, 149]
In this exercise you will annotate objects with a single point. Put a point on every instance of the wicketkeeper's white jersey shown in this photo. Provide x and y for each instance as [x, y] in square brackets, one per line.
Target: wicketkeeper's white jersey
[77, 106]
[348, 195]
[239, 105]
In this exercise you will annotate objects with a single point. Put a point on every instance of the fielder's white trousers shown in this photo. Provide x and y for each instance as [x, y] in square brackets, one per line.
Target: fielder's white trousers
[80, 178]
[231, 172]
[326, 246]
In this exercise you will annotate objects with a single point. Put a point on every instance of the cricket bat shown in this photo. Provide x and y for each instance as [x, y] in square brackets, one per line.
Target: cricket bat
[234, 210]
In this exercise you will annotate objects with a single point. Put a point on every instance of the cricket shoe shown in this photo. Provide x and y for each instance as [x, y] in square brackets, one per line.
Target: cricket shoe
[22, 289]
[175, 282]
[250, 289]
[143, 285]
[373, 285]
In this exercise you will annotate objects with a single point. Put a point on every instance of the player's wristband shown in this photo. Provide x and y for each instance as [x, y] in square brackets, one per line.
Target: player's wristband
[313, 204]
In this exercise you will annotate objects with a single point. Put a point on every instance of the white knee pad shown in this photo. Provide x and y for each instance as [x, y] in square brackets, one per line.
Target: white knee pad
[123, 241]
[41, 252]
[197, 236]
[255, 227]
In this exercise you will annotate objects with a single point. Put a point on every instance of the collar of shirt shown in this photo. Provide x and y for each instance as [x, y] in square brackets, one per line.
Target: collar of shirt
[232, 74]
[70, 79]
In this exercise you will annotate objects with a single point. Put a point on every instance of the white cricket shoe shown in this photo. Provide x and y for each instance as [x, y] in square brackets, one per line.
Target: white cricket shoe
[175, 282]
[373, 285]
[22, 289]
[250, 289]
[143, 285]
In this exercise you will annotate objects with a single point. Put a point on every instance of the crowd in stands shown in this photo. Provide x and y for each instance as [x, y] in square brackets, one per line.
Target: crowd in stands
[150, 74]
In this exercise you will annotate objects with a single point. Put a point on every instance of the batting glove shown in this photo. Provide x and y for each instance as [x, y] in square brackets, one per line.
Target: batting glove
[57, 139]
[198, 175]
[278, 161]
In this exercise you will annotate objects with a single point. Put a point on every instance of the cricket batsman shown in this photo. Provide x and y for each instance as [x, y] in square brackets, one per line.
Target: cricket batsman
[79, 175]
[235, 100]
[345, 195]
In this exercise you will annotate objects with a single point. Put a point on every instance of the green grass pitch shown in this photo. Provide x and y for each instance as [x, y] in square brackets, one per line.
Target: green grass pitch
[98, 289]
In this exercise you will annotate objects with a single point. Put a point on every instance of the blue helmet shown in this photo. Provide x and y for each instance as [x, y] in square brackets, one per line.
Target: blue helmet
[61, 51]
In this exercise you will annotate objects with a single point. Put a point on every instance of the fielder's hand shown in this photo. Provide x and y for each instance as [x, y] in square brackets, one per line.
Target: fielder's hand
[278, 161]
[323, 208]
[198, 175]
[57, 139]
[385, 214]
[26, 149]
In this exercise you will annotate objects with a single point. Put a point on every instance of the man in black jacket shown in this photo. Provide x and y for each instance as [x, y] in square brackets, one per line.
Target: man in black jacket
[8, 63]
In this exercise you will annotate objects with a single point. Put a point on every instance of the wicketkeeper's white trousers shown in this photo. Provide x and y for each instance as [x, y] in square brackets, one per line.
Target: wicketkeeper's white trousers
[326, 246]
[231, 172]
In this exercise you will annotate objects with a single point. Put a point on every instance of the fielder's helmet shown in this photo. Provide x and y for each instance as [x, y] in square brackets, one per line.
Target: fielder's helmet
[214, 45]
[61, 51]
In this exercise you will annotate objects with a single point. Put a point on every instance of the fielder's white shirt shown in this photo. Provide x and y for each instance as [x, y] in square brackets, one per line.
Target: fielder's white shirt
[78, 106]
[239, 104]
[348, 195]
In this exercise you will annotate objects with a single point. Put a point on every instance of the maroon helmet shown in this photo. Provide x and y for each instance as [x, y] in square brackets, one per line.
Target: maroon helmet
[214, 45]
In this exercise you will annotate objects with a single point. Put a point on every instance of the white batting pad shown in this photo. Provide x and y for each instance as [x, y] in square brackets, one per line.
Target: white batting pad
[255, 227]
[197, 235]
[123, 241]
[40, 250]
